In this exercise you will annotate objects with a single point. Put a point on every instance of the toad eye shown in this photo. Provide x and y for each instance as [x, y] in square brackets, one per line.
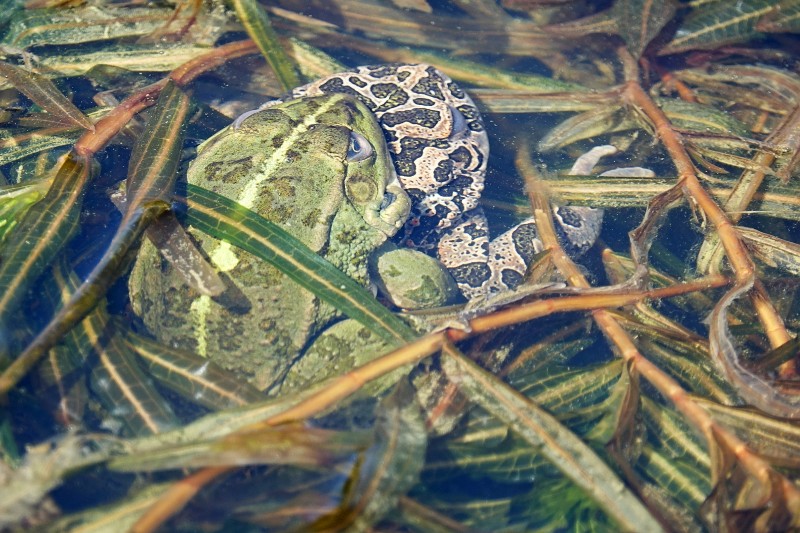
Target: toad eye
[359, 148]
[459, 123]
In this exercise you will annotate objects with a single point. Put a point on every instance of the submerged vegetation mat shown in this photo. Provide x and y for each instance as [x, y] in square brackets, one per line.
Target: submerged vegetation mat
[648, 384]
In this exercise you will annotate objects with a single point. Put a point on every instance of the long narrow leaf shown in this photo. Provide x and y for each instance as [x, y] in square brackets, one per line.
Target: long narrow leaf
[192, 376]
[219, 216]
[288, 444]
[16, 146]
[116, 378]
[121, 384]
[40, 235]
[46, 95]
[256, 22]
[39, 27]
[562, 447]
[153, 177]
[154, 162]
[717, 24]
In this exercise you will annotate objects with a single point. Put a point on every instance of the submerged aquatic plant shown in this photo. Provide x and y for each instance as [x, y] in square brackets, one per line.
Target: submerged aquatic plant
[650, 390]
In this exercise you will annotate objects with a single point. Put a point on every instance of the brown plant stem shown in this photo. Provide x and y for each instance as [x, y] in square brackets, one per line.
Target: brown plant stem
[784, 135]
[336, 389]
[740, 260]
[670, 81]
[756, 390]
[583, 302]
[180, 494]
[111, 124]
[665, 384]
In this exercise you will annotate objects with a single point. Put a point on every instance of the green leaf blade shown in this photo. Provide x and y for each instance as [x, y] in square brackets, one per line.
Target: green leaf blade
[256, 22]
[41, 234]
[154, 162]
[718, 24]
[562, 447]
[192, 376]
[46, 95]
[224, 218]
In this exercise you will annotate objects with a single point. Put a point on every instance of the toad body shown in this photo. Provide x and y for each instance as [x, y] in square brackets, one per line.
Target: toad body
[324, 165]
[319, 168]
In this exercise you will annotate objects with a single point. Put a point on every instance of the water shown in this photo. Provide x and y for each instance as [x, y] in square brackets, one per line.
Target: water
[466, 452]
